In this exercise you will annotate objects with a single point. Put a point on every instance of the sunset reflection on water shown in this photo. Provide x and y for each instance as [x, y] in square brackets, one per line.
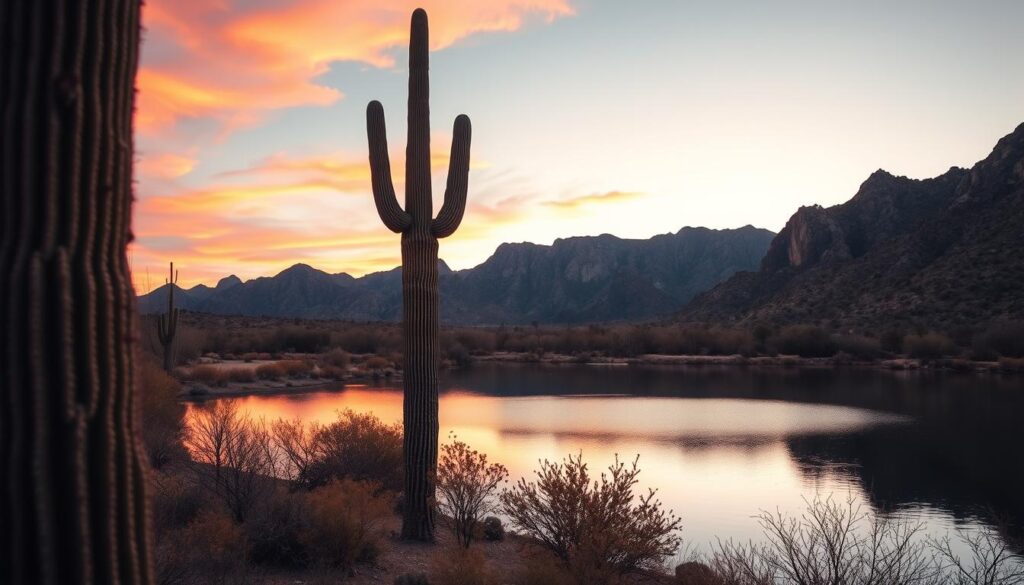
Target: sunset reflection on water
[715, 462]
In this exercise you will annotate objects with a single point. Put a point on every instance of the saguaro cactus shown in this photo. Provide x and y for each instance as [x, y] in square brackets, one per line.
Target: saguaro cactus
[420, 232]
[167, 324]
[72, 468]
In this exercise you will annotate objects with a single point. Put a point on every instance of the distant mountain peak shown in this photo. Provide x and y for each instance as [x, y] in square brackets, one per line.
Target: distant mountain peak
[228, 282]
[300, 268]
[940, 252]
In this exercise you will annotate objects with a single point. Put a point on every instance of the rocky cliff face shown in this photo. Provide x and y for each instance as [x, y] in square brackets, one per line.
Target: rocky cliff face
[938, 252]
[574, 280]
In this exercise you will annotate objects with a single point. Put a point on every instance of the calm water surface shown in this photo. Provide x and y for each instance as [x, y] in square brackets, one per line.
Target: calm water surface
[721, 444]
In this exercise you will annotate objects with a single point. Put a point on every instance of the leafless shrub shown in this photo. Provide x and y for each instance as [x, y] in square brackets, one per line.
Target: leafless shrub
[466, 484]
[234, 456]
[989, 560]
[834, 543]
[355, 446]
[598, 528]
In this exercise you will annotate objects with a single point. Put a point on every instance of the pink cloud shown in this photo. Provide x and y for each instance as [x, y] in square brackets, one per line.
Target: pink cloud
[233, 61]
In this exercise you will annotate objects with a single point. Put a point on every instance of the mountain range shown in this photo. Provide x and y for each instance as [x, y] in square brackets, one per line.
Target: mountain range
[574, 280]
[945, 253]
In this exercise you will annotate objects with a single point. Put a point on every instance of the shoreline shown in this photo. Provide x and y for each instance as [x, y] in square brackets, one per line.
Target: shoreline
[197, 392]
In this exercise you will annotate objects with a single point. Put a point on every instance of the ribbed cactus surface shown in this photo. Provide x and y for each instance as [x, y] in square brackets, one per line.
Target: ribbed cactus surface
[72, 471]
[420, 232]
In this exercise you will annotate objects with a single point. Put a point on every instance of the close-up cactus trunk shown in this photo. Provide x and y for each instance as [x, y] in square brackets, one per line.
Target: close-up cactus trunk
[72, 468]
[420, 232]
[167, 324]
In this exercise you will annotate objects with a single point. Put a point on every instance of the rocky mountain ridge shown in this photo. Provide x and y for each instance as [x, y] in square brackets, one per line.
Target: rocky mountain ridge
[574, 280]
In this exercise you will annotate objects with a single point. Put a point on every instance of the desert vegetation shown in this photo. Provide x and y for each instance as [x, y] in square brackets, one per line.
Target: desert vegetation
[243, 500]
[337, 350]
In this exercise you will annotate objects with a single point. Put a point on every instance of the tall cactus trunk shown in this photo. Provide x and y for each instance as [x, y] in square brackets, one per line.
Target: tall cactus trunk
[72, 469]
[419, 270]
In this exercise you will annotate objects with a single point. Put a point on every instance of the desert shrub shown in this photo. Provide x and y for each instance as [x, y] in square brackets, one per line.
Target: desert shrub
[295, 368]
[162, 414]
[240, 375]
[234, 456]
[494, 530]
[830, 543]
[299, 339]
[297, 447]
[841, 543]
[600, 528]
[466, 485]
[891, 341]
[928, 345]
[209, 375]
[543, 568]
[803, 340]
[697, 573]
[355, 446]
[459, 354]
[858, 346]
[376, 363]
[272, 371]
[274, 531]
[461, 566]
[174, 501]
[1002, 339]
[333, 372]
[210, 549]
[979, 558]
[338, 358]
[346, 523]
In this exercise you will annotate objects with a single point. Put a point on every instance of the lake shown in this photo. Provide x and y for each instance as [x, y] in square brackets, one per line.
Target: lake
[723, 443]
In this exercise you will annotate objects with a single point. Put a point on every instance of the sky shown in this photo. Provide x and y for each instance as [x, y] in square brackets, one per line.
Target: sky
[589, 117]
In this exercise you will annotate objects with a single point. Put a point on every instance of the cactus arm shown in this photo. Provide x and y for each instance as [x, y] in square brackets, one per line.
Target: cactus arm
[394, 218]
[450, 216]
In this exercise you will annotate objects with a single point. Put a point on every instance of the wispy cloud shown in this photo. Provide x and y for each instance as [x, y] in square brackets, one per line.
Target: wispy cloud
[281, 210]
[231, 62]
[593, 199]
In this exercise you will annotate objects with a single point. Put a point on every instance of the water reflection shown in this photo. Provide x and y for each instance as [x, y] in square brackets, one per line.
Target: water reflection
[723, 443]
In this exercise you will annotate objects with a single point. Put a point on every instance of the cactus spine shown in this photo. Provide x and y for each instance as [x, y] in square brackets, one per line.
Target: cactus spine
[72, 468]
[167, 324]
[420, 233]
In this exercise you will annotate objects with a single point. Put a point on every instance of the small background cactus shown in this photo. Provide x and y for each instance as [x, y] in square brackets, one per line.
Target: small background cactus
[420, 233]
[167, 324]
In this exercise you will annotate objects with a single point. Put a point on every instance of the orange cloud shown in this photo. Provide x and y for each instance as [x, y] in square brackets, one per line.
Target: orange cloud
[165, 166]
[282, 210]
[592, 199]
[233, 63]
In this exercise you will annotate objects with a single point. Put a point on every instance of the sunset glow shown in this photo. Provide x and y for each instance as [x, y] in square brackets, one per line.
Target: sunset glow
[589, 117]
